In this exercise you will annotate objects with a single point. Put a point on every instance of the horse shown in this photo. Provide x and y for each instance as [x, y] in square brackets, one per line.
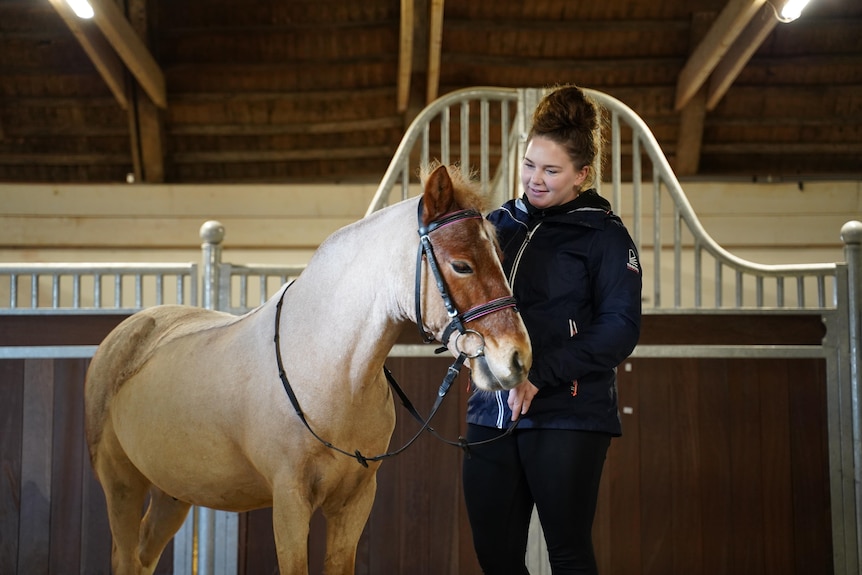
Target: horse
[281, 407]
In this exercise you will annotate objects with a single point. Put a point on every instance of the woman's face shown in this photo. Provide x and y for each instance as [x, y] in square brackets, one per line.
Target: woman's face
[548, 174]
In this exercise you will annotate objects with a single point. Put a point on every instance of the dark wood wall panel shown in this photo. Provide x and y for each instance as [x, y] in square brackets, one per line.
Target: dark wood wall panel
[35, 481]
[722, 469]
[52, 510]
[68, 465]
[11, 445]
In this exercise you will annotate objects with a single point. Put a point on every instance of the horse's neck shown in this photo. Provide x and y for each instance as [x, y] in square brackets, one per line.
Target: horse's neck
[354, 296]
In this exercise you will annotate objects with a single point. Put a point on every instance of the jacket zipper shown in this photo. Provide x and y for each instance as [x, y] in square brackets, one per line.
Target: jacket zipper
[520, 253]
[512, 274]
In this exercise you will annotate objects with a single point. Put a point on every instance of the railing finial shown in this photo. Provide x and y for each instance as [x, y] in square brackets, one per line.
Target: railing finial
[851, 232]
[212, 232]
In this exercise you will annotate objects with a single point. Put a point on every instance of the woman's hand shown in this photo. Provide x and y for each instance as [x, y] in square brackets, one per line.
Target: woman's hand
[521, 397]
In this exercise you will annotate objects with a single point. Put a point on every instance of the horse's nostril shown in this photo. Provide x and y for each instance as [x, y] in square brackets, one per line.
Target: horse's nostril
[517, 362]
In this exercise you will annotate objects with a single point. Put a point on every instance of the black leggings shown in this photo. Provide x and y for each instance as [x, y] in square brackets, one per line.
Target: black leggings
[558, 470]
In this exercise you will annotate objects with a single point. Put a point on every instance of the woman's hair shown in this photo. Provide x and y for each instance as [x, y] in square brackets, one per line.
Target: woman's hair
[571, 119]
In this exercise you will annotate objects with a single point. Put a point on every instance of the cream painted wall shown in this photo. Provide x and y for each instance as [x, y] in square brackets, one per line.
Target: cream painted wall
[765, 223]
[40, 219]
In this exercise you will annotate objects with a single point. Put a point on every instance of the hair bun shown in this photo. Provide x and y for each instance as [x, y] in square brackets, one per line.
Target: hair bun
[565, 109]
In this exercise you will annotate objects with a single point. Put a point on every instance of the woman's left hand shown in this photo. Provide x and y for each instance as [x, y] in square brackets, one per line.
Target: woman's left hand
[521, 397]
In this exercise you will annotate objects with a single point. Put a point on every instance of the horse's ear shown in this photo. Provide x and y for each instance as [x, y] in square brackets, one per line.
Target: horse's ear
[439, 196]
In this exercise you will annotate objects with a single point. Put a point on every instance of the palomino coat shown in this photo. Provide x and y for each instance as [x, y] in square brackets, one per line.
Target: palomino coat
[576, 274]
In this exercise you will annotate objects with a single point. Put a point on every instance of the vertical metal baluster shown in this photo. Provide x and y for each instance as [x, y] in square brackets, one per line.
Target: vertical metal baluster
[779, 291]
[76, 290]
[139, 291]
[55, 290]
[118, 290]
[34, 291]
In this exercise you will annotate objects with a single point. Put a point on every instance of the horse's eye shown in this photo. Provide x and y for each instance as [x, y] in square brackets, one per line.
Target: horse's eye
[462, 267]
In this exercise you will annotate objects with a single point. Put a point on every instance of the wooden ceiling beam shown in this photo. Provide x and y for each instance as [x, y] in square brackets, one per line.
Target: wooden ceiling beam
[319, 127]
[739, 54]
[101, 54]
[435, 45]
[405, 55]
[131, 49]
[146, 126]
[257, 156]
[686, 160]
[728, 26]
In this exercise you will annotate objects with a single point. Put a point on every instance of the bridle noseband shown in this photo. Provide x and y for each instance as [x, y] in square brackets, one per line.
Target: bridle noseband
[426, 251]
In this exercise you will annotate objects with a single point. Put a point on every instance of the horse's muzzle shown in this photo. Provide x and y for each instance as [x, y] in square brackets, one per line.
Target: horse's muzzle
[492, 377]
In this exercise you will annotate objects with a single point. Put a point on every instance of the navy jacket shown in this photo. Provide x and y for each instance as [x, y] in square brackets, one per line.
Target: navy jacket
[575, 272]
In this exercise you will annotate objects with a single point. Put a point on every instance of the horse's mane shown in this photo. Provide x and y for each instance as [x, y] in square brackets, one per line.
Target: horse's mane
[467, 189]
[467, 194]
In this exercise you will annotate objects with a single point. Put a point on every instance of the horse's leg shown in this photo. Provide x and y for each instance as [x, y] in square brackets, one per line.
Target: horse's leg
[164, 517]
[291, 514]
[125, 493]
[345, 520]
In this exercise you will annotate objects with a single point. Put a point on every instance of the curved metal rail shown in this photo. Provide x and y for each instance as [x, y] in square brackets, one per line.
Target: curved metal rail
[496, 168]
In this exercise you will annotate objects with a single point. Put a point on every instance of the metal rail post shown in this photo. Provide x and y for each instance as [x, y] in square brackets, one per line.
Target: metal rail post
[851, 234]
[212, 234]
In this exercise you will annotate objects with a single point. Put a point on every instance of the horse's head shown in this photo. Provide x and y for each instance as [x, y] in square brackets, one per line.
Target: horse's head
[466, 302]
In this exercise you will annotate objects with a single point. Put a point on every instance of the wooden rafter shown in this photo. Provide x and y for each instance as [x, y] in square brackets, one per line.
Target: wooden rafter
[97, 49]
[435, 42]
[728, 26]
[145, 119]
[739, 54]
[405, 54]
[131, 49]
[714, 64]
[693, 115]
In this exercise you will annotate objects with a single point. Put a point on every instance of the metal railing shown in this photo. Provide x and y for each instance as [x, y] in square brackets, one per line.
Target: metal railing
[431, 136]
[89, 287]
[495, 165]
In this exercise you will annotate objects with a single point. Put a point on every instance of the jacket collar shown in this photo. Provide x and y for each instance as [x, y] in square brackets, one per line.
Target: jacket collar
[586, 200]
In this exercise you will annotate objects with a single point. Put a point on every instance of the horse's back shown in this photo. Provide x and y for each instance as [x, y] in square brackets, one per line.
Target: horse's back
[128, 347]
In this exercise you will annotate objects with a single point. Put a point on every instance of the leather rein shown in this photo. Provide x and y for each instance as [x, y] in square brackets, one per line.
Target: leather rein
[426, 252]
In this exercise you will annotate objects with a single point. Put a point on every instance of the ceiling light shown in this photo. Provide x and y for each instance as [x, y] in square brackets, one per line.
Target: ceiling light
[792, 9]
[81, 8]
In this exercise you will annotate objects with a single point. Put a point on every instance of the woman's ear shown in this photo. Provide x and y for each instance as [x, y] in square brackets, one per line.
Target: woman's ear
[581, 176]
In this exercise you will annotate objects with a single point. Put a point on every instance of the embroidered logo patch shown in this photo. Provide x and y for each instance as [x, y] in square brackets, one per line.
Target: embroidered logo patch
[633, 264]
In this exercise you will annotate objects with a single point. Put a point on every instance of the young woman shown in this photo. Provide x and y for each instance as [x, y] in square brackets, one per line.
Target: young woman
[575, 272]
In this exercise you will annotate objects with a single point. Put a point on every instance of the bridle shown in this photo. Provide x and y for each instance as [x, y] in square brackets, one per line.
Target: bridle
[426, 252]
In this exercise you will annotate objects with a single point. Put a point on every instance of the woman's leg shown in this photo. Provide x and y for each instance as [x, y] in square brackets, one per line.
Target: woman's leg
[498, 502]
[563, 468]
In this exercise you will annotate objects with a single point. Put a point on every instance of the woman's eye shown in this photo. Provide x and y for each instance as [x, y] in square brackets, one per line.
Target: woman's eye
[462, 267]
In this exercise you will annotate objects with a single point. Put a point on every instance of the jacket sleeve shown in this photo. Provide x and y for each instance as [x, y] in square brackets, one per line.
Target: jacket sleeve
[614, 331]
